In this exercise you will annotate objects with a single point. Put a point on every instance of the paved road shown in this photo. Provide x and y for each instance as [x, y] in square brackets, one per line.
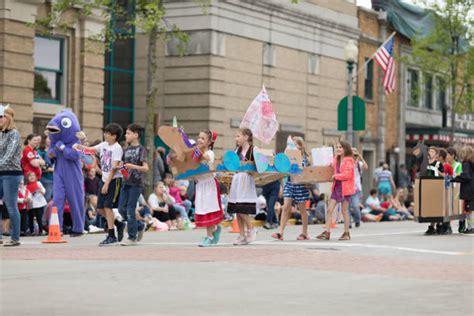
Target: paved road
[387, 268]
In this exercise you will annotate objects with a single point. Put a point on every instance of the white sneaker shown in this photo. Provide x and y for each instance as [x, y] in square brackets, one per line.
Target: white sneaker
[251, 235]
[129, 242]
[240, 241]
[94, 229]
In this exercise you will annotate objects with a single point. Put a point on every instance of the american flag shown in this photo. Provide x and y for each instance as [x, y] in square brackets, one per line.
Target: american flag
[384, 57]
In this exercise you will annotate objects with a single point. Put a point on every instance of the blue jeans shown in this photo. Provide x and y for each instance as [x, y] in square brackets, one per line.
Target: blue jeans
[127, 204]
[181, 210]
[144, 211]
[270, 192]
[354, 208]
[48, 186]
[9, 194]
[187, 205]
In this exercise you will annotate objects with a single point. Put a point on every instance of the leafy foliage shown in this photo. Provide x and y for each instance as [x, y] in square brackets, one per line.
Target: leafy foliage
[448, 50]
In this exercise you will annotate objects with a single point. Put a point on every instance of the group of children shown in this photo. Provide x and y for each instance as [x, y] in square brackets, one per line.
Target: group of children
[442, 163]
[122, 183]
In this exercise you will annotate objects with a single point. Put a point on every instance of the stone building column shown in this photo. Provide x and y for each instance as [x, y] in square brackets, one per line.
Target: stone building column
[91, 78]
[16, 59]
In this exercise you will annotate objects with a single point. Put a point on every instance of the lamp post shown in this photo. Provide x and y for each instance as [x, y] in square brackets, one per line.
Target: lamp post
[350, 55]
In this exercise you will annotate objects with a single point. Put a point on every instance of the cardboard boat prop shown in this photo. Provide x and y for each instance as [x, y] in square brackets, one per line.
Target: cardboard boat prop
[265, 169]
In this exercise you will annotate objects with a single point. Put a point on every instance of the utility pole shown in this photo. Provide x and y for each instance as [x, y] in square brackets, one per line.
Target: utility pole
[454, 70]
[350, 123]
[381, 108]
[401, 114]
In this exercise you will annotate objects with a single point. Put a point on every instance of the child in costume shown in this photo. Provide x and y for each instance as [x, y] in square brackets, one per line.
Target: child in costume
[37, 203]
[68, 184]
[243, 194]
[208, 212]
[298, 193]
[343, 187]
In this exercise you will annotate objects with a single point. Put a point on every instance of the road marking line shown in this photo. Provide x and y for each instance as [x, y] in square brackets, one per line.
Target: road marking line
[351, 244]
[388, 234]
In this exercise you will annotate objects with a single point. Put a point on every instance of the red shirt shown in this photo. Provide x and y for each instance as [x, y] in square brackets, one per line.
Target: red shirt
[448, 169]
[28, 155]
[24, 205]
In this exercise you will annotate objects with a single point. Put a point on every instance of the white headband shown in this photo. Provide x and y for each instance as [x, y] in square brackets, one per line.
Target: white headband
[3, 108]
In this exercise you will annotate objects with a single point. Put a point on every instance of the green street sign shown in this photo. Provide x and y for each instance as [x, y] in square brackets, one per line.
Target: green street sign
[358, 114]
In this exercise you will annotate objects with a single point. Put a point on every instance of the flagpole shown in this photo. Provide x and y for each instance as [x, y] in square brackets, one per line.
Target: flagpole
[372, 57]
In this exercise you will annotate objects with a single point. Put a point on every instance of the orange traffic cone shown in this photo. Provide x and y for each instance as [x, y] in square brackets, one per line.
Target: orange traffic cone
[235, 227]
[54, 235]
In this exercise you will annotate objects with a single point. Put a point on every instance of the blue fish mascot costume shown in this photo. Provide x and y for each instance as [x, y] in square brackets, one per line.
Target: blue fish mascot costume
[64, 131]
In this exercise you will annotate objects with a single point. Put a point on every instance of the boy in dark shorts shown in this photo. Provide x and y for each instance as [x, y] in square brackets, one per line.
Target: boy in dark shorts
[110, 154]
[135, 162]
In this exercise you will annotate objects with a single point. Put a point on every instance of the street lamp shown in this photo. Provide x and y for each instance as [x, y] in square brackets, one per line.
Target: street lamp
[351, 53]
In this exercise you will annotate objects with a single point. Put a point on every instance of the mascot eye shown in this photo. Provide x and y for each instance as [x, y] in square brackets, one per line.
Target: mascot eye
[66, 122]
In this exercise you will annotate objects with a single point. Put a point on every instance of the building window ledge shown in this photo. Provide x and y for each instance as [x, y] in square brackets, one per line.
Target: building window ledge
[49, 109]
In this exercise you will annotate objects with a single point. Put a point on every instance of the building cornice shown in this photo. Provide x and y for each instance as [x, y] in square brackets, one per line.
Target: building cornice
[273, 22]
[19, 10]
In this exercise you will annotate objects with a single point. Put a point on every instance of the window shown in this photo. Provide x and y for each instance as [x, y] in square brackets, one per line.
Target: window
[49, 71]
[428, 102]
[313, 64]
[414, 87]
[369, 80]
[441, 94]
[282, 137]
[268, 54]
[120, 72]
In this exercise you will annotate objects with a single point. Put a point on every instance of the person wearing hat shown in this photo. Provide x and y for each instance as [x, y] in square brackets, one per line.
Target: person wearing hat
[10, 171]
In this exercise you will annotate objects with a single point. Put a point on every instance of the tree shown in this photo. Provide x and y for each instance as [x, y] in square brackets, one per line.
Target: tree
[448, 50]
[149, 16]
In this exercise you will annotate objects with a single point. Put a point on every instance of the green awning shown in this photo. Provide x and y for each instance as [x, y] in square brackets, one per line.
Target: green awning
[411, 20]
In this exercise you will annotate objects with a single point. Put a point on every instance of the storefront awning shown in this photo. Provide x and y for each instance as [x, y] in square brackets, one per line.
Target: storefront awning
[439, 135]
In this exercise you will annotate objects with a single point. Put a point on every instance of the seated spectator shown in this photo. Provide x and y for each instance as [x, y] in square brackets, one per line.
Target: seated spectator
[387, 204]
[319, 210]
[375, 208]
[159, 203]
[182, 207]
[91, 182]
[399, 206]
[93, 219]
[143, 213]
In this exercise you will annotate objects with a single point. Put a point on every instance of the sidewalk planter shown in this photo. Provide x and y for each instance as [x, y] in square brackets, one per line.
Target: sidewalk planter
[435, 201]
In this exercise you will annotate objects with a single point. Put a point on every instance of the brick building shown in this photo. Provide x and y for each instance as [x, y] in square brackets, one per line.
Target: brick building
[296, 51]
[40, 75]
[417, 110]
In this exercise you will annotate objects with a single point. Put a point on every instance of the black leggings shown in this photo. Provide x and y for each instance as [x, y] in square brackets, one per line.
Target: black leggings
[165, 216]
[38, 213]
[24, 220]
